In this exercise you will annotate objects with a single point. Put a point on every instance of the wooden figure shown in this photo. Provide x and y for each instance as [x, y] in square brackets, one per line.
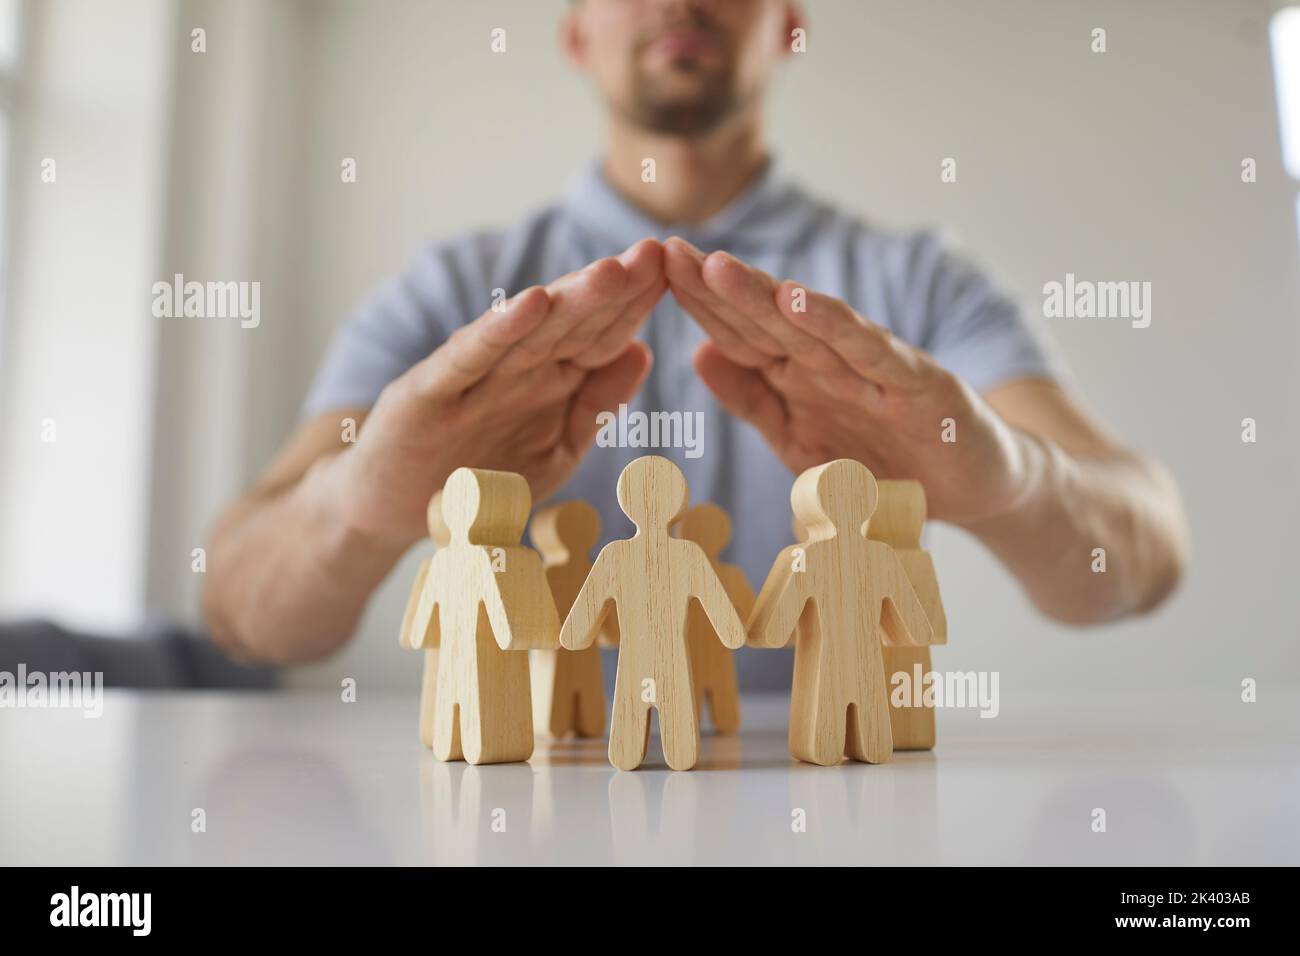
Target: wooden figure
[441, 536]
[899, 518]
[800, 537]
[713, 667]
[844, 593]
[648, 581]
[484, 596]
[568, 693]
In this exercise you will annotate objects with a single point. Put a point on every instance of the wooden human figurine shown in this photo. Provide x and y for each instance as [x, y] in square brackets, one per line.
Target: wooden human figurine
[713, 666]
[845, 594]
[484, 598]
[648, 581]
[407, 638]
[899, 518]
[568, 693]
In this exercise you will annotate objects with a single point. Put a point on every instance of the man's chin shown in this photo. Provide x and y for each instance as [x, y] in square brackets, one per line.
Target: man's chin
[685, 115]
[681, 122]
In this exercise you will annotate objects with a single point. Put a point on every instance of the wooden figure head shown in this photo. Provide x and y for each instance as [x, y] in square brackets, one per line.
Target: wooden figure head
[901, 515]
[652, 492]
[564, 531]
[708, 526]
[839, 496]
[438, 529]
[486, 507]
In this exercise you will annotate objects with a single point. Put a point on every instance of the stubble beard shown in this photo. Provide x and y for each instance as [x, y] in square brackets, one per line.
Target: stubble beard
[657, 111]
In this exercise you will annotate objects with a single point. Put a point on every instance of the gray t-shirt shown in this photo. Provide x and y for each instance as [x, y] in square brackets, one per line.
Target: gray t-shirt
[908, 284]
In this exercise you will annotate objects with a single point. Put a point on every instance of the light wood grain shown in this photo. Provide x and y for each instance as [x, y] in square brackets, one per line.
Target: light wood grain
[484, 599]
[713, 666]
[898, 522]
[845, 594]
[649, 581]
[440, 534]
[568, 693]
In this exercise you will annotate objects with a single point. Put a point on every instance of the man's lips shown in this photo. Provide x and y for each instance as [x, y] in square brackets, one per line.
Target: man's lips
[680, 44]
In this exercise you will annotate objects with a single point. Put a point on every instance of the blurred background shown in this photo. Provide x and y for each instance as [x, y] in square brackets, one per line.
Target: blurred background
[225, 164]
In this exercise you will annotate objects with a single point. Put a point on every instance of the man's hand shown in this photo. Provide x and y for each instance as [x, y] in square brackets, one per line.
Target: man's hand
[292, 563]
[516, 390]
[1026, 470]
[819, 382]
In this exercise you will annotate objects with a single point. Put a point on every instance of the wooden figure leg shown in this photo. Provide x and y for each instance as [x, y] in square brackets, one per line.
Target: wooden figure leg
[679, 727]
[629, 728]
[446, 727]
[713, 669]
[805, 693]
[550, 715]
[868, 737]
[799, 733]
[912, 727]
[428, 696]
[724, 695]
[821, 740]
[471, 729]
[699, 665]
[501, 717]
[568, 692]
[680, 733]
[588, 693]
[681, 742]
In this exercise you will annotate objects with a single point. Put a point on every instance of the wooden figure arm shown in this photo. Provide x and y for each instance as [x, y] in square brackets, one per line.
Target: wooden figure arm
[906, 622]
[421, 622]
[779, 604]
[707, 588]
[589, 610]
[406, 635]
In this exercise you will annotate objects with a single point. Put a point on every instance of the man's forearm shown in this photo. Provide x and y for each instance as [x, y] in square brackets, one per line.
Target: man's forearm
[287, 579]
[1126, 506]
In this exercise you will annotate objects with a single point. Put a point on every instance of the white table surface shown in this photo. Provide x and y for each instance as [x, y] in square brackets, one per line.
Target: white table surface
[1194, 777]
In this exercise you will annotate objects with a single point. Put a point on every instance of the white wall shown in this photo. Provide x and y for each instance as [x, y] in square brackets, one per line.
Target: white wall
[78, 337]
[226, 395]
[1124, 165]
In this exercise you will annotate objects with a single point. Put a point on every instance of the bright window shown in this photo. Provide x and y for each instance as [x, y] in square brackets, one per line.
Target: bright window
[1286, 68]
[9, 36]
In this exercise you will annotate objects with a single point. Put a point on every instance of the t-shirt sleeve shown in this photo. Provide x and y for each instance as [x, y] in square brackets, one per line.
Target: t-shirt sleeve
[971, 327]
[404, 320]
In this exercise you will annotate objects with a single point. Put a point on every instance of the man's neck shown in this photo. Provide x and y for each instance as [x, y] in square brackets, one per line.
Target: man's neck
[693, 178]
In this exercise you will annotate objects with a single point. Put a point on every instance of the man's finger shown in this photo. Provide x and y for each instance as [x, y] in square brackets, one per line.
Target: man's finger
[581, 296]
[644, 286]
[586, 302]
[473, 350]
[613, 339]
[871, 351]
[727, 339]
[644, 262]
[684, 265]
[752, 292]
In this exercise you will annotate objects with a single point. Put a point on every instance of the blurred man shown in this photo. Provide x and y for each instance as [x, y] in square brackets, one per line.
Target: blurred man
[798, 333]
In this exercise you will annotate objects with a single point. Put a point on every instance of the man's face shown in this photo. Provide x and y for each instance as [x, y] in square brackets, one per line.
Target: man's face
[679, 66]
